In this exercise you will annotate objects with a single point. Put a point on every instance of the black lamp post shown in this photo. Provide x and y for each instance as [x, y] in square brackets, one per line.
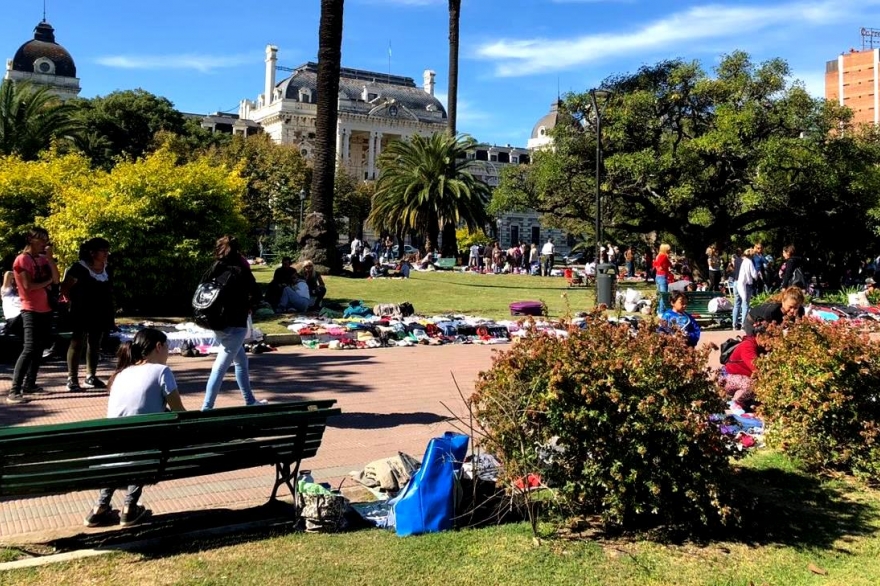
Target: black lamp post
[598, 101]
[302, 201]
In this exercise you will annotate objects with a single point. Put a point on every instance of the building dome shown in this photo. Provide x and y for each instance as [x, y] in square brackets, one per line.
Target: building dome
[43, 55]
[543, 127]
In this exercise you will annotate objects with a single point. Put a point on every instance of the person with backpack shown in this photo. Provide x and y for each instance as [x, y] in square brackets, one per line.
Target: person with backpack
[237, 294]
[737, 371]
[792, 273]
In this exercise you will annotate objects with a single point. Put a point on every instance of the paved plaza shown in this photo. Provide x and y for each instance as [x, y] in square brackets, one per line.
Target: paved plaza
[392, 400]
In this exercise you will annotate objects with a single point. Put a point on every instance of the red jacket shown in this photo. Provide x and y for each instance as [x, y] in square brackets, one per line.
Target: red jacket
[662, 264]
[742, 360]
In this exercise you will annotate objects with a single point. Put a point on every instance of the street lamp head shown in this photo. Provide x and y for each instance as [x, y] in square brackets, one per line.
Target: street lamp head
[302, 194]
[599, 98]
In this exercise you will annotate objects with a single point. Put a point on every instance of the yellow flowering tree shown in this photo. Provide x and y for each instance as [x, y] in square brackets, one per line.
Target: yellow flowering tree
[161, 219]
[27, 189]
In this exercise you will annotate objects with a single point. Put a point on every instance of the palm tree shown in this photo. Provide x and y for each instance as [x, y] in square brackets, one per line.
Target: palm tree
[449, 243]
[31, 118]
[318, 236]
[425, 184]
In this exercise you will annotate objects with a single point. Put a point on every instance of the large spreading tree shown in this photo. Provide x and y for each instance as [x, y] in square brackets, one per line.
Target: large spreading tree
[425, 184]
[700, 159]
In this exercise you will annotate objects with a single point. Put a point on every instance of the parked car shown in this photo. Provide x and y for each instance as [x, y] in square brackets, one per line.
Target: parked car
[407, 249]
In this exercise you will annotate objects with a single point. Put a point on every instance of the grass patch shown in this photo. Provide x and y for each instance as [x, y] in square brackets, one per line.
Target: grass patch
[443, 292]
[831, 525]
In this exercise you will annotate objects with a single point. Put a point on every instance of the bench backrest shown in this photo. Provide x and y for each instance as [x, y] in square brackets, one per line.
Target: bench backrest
[698, 302]
[145, 449]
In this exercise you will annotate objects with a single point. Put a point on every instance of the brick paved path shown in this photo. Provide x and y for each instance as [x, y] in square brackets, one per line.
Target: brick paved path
[392, 400]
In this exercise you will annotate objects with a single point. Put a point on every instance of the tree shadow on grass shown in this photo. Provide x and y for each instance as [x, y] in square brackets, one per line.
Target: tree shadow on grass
[799, 510]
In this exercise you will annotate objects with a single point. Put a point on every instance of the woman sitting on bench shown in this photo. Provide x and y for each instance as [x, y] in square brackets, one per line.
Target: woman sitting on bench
[142, 384]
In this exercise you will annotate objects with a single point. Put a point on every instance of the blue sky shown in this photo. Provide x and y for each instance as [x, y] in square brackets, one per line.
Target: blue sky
[207, 56]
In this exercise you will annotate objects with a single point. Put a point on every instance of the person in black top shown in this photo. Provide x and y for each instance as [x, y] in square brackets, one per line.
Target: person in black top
[789, 305]
[284, 273]
[239, 296]
[791, 272]
[89, 291]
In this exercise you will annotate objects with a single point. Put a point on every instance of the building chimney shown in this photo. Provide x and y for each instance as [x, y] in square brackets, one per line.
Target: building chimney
[429, 80]
[271, 64]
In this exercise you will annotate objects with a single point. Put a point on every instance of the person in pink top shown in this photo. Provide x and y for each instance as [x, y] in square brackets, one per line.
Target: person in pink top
[35, 272]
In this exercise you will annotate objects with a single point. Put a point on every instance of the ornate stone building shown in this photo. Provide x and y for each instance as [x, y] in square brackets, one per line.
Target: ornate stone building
[374, 109]
[43, 62]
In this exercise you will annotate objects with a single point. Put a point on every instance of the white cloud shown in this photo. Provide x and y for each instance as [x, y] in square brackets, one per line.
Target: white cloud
[195, 62]
[518, 57]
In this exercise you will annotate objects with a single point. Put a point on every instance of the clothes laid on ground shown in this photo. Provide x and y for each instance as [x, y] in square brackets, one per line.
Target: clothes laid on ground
[388, 474]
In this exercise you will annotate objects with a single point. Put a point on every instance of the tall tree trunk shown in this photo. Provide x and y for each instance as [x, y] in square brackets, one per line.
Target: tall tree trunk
[319, 236]
[450, 246]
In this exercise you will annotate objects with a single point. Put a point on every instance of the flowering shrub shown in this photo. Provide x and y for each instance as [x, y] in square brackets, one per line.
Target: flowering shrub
[616, 420]
[819, 386]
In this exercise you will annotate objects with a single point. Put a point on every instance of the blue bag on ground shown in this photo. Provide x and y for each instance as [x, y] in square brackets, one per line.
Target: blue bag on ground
[427, 504]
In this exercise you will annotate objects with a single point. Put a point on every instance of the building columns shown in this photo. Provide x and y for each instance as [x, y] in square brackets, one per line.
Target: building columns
[371, 155]
[339, 134]
[346, 145]
[378, 152]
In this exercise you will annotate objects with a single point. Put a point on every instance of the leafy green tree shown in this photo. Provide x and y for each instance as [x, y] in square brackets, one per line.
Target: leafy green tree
[351, 204]
[708, 159]
[128, 120]
[31, 119]
[319, 235]
[275, 174]
[424, 183]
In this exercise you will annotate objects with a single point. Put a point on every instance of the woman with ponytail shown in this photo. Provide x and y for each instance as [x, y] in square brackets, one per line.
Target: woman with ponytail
[142, 384]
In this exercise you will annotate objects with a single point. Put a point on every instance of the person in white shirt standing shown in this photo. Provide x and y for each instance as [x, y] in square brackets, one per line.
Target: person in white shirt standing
[747, 277]
[474, 260]
[547, 252]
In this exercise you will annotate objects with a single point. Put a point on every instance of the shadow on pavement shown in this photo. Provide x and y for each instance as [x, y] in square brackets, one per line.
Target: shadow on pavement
[384, 420]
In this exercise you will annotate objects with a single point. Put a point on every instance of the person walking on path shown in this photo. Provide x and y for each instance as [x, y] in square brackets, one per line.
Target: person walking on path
[663, 270]
[35, 272]
[89, 291]
[142, 384]
[745, 283]
[238, 296]
[714, 264]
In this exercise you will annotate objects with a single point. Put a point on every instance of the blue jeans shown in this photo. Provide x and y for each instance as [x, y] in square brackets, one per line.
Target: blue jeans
[662, 293]
[290, 300]
[231, 351]
[739, 310]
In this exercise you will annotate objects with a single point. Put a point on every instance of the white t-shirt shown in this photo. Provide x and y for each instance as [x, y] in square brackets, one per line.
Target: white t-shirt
[356, 245]
[11, 303]
[140, 389]
[475, 251]
[547, 249]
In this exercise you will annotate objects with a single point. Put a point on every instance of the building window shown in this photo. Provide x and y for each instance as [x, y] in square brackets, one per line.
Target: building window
[493, 158]
[523, 159]
[482, 155]
[514, 235]
[536, 234]
[45, 66]
[503, 157]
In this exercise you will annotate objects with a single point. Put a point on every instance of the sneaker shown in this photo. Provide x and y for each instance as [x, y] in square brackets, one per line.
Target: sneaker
[73, 385]
[132, 515]
[258, 402]
[100, 516]
[34, 389]
[16, 399]
[93, 382]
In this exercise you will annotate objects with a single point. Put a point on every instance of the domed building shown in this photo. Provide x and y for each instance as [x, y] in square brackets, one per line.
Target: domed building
[43, 62]
[540, 137]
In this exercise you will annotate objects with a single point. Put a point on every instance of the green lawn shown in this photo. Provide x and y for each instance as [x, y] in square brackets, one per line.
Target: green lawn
[451, 291]
[832, 525]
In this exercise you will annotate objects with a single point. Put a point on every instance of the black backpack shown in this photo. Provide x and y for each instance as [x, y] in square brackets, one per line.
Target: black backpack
[210, 299]
[727, 348]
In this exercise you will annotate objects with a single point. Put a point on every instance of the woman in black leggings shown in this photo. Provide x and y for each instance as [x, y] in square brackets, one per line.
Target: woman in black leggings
[87, 286]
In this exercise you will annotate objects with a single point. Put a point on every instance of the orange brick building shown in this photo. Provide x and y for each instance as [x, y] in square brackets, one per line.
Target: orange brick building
[852, 80]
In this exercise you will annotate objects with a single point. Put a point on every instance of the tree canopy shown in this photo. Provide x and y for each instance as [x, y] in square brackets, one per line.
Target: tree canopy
[701, 159]
[31, 118]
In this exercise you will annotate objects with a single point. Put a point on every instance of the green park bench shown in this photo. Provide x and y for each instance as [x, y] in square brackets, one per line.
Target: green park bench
[698, 307]
[445, 262]
[43, 460]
